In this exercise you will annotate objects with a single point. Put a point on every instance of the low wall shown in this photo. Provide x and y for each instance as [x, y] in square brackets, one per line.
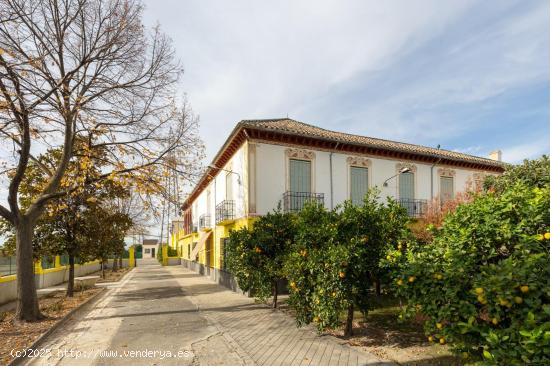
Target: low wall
[8, 289]
[219, 276]
[124, 263]
[55, 276]
[49, 277]
[173, 261]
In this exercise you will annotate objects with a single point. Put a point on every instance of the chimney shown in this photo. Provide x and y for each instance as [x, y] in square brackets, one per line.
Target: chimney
[496, 155]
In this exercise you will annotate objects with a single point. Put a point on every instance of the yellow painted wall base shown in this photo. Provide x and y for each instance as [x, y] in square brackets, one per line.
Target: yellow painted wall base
[212, 252]
[131, 257]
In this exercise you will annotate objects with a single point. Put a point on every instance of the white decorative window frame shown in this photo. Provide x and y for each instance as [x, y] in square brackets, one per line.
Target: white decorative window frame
[299, 154]
[446, 172]
[413, 169]
[449, 173]
[359, 162]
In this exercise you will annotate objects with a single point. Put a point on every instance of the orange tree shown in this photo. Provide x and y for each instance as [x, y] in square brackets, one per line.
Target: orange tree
[256, 256]
[483, 282]
[533, 173]
[336, 258]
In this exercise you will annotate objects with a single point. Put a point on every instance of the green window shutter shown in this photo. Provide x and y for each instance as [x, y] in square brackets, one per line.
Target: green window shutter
[406, 185]
[300, 175]
[446, 188]
[359, 184]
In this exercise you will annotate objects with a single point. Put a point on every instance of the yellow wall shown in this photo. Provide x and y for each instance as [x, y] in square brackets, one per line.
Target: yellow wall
[220, 231]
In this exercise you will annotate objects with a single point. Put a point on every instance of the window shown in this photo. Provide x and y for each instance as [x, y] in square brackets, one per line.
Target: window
[223, 244]
[300, 175]
[196, 259]
[359, 184]
[228, 187]
[446, 189]
[195, 217]
[406, 186]
[147, 251]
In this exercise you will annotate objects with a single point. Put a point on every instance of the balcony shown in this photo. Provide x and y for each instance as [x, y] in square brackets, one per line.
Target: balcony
[225, 212]
[295, 201]
[204, 221]
[415, 208]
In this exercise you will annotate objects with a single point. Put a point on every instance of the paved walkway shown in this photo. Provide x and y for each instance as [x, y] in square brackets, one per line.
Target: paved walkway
[172, 316]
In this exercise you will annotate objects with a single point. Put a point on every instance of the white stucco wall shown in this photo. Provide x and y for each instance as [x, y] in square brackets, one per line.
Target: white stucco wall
[8, 289]
[271, 177]
[150, 247]
[217, 188]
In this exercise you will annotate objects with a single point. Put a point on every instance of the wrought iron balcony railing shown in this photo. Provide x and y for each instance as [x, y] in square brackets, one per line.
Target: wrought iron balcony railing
[204, 221]
[415, 208]
[225, 211]
[295, 201]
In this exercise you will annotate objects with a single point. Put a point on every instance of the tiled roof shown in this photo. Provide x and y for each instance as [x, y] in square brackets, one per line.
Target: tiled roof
[290, 126]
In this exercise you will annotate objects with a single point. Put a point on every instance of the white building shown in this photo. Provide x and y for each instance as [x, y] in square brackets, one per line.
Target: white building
[150, 248]
[264, 163]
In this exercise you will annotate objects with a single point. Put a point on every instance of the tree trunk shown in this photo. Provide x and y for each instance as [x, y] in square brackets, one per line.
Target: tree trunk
[103, 268]
[115, 264]
[120, 262]
[348, 332]
[70, 284]
[377, 287]
[27, 300]
[275, 293]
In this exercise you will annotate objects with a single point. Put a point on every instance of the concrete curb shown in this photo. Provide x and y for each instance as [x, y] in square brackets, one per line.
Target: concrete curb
[18, 361]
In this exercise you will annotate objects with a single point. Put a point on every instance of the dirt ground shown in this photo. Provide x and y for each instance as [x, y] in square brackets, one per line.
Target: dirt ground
[18, 336]
[111, 276]
[383, 335]
[405, 343]
[54, 306]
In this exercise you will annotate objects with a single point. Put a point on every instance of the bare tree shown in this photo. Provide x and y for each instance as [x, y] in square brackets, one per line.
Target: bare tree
[89, 70]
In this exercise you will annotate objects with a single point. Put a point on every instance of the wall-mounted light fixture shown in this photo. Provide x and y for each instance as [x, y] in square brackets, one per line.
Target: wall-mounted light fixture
[404, 170]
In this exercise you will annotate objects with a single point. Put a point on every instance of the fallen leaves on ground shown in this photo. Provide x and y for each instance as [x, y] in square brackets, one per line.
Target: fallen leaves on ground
[21, 335]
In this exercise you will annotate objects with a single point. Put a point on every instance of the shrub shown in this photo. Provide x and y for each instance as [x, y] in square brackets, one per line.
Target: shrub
[256, 256]
[483, 282]
[336, 258]
[310, 263]
[172, 252]
[436, 212]
[531, 173]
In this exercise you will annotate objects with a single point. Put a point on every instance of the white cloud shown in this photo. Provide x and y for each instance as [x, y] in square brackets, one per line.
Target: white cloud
[530, 150]
[390, 69]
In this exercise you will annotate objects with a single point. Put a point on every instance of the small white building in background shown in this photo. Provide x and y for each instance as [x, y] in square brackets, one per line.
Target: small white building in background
[267, 163]
[150, 248]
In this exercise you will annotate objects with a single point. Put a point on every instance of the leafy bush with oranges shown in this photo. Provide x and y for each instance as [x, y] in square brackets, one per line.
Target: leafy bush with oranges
[336, 258]
[483, 283]
[255, 256]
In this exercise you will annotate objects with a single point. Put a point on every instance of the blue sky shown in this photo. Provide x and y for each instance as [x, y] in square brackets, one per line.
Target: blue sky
[473, 76]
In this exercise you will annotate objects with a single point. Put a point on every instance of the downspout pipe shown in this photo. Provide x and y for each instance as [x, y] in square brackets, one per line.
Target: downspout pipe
[331, 179]
[432, 175]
